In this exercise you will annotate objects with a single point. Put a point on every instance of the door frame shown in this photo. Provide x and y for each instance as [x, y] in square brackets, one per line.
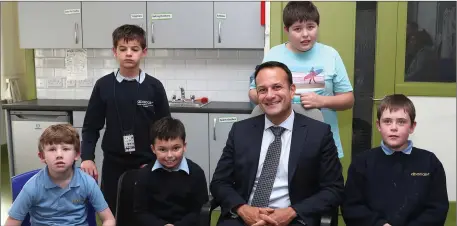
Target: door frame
[386, 58]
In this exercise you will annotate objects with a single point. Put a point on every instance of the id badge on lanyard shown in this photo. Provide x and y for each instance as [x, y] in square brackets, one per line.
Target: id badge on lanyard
[129, 141]
[127, 135]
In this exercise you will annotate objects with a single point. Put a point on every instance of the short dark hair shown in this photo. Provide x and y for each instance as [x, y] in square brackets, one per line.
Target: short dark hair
[129, 32]
[167, 128]
[273, 64]
[300, 11]
[396, 102]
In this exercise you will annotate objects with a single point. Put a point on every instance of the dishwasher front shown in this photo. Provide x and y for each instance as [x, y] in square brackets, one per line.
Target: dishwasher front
[26, 129]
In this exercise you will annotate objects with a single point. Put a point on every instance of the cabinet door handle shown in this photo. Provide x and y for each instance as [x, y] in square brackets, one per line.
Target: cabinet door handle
[152, 33]
[76, 33]
[214, 128]
[378, 99]
[219, 33]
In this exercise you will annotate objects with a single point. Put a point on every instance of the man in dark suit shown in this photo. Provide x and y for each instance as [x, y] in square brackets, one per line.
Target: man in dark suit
[279, 168]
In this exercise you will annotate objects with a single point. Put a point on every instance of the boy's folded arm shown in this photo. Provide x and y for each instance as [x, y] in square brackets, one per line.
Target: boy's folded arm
[437, 205]
[354, 207]
[200, 194]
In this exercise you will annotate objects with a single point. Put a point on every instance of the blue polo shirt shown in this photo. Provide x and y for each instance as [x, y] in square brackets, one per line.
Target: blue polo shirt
[49, 204]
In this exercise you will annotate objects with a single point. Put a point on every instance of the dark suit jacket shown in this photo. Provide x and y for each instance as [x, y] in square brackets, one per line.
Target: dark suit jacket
[316, 182]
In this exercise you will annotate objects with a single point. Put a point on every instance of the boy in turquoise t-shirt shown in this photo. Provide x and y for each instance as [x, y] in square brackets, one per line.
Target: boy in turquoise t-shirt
[317, 69]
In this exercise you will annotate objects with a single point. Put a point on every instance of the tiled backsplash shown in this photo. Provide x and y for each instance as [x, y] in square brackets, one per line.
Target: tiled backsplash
[218, 74]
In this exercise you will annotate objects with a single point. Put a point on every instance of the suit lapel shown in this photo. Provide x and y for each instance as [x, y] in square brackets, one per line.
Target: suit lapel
[298, 143]
[255, 144]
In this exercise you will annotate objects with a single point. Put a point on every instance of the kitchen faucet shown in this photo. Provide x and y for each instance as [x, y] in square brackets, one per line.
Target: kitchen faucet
[183, 93]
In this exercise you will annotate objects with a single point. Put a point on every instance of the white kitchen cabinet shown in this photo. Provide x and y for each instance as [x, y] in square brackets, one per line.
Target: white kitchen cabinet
[49, 25]
[237, 25]
[100, 19]
[219, 128]
[196, 125]
[180, 24]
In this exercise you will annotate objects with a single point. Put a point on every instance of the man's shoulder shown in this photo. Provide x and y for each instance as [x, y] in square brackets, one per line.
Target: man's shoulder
[311, 121]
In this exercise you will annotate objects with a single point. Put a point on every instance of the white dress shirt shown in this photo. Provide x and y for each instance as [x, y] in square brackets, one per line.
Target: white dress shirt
[279, 197]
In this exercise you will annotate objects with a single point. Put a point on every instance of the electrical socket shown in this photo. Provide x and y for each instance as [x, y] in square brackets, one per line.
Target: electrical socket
[41, 83]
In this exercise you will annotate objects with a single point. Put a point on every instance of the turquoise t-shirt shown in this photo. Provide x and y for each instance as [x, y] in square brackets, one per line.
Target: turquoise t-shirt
[320, 70]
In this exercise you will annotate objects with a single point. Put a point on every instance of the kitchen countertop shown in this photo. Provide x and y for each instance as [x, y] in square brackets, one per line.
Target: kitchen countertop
[81, 105]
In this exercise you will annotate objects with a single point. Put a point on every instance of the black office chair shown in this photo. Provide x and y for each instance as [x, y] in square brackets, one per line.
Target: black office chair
[125, 191]
[330, 219]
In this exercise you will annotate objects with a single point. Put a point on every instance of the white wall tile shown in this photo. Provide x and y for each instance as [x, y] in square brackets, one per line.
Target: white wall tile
[185, 53]
[227, 54]
[163, 53]
[175, 63]
[110, 63]
[54, 62]
[197, 85]
[65, 94]
[95, 63]
[207, 53]
[60, 52]
[44, 72]
[219, 74]
[44, 53]
[103, 53]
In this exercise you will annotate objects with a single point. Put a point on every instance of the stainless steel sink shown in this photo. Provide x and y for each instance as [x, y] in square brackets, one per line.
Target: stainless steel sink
[187, 104]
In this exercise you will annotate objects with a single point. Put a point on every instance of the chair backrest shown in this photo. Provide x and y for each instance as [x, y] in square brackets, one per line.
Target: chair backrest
[298, 108]
[125, 197]
[18, 182]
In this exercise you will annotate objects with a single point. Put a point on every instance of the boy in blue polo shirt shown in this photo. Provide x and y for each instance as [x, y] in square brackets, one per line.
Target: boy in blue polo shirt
[57, 194]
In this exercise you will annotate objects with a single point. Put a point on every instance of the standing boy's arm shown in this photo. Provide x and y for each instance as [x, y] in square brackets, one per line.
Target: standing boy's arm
[21, 207]
[437, 204]
[99, 203]
[12, 222]
[162, 108]
[142, 213]
[200, 197]
[94, 120]
[354, 208]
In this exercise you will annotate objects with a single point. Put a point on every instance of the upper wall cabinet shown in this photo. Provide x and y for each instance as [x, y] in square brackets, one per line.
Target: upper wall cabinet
[195, 25]
[180, 24]
[101, 18]
[237, 25]
[49, 24]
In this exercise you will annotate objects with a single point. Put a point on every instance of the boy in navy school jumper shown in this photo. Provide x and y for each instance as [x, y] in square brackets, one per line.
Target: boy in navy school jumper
[396, 184]
[172, 190]
[57, 194]
[129, 100]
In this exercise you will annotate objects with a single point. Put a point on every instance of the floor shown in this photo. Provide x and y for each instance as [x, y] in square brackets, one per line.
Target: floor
[6, 199]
